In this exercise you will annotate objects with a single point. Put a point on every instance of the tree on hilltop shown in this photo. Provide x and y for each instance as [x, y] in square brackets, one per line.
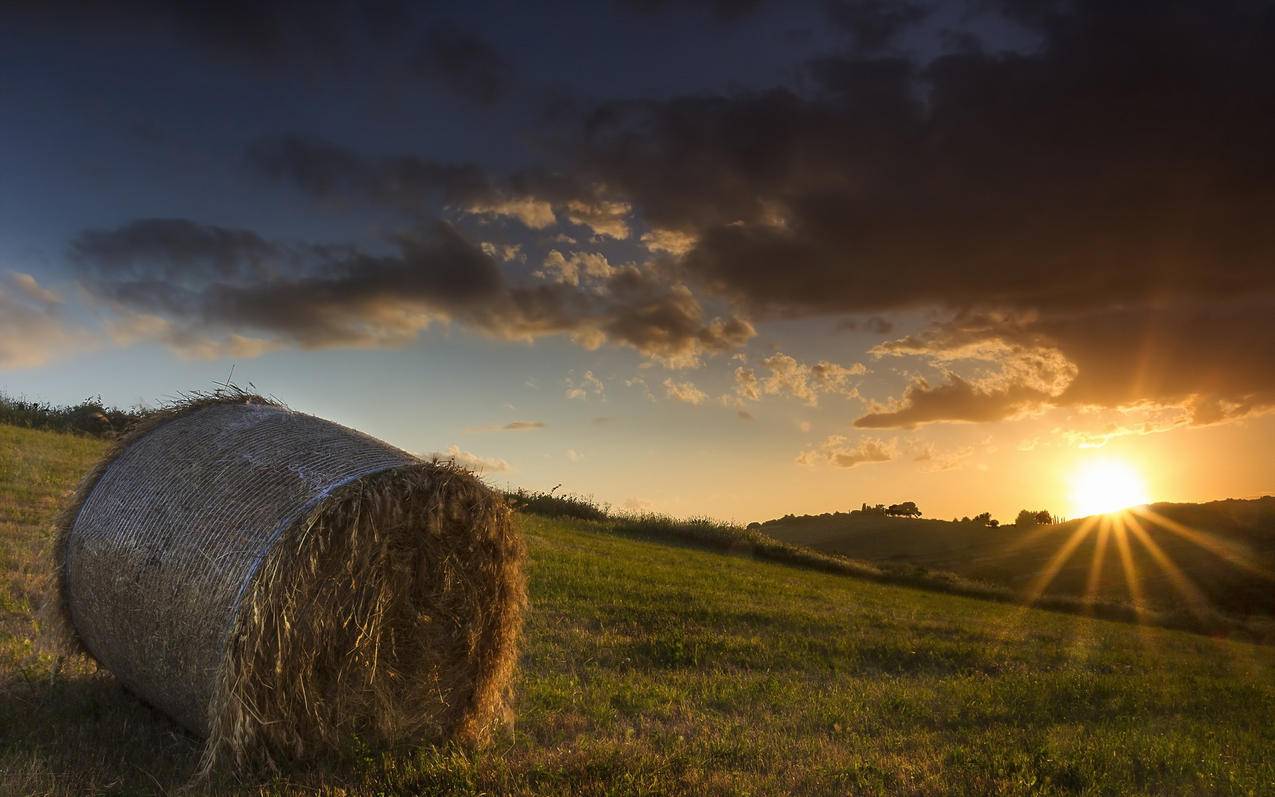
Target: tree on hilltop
[1028, 517]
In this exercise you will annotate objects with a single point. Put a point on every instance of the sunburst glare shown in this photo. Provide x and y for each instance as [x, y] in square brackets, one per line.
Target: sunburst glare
[1107, 485]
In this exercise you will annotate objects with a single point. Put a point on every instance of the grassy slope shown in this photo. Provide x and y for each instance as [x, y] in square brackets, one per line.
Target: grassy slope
[1016, 557]
[663, 669]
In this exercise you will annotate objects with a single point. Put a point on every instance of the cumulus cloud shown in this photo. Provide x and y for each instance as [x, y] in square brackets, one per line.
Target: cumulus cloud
[203, 286]
[837, 450]
[472, 461]
[1019, 377]
[790, 377]
[954, 400]
[531, 211]
[576, 267]
[685, 392]
[32, 327]
[504, 252]
[1204, 361]
[586, 385]
[1121, 209]
[671, 242]
[603, 217]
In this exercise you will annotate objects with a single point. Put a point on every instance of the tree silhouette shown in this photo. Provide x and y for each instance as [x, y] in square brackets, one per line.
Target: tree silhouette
[905, 509]
[1038, 517]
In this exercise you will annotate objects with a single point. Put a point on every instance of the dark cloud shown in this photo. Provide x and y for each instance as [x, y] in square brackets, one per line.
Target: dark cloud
[875, 324]
[464, 63]
[267, 33]
[336, 174]
[1209, 357]
[874, 24]
[1112, 189]
[210, 289]
[724, 10]
[340, 176]
[517, 426]
[955, 400]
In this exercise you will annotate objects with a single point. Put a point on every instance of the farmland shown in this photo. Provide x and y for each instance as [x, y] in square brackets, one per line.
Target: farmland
[661, 668]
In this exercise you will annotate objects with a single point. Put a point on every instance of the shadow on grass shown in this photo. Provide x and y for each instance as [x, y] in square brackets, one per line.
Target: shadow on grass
[81, 733]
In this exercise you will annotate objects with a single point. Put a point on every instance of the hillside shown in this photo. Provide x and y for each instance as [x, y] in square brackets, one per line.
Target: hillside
[662, 669]
[1217, 556]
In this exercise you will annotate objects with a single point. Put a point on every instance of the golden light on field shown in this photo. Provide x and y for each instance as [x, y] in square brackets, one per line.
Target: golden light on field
[1102, 486]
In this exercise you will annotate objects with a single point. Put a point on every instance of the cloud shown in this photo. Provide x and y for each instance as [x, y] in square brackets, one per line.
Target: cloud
[505, 252]
[874, 24]
[1204, 359]
[336, 175]
[685, 392]
[935, 459]
[573, 456]
[265, 34]
[32, 290]
[1025, 376]
[875, 324]
[955, 400]
[512, 426]
[1119, 210]
[637, 381]
[669, 241]
[204, 286]
[790, 377]
[725, 11]
[586, 385]
[464, 63]
[837, 450]
[32, 327]
[472, 461]
[534, 213]
[603, 217]
[586, 266]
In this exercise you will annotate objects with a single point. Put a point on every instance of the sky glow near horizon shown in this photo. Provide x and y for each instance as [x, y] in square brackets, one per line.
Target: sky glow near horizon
[801, 260]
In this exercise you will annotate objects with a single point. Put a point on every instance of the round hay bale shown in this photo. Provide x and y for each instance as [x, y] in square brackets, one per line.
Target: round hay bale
[279, 584]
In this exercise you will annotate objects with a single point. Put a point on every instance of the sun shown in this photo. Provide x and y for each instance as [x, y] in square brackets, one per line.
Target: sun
[1106, 485]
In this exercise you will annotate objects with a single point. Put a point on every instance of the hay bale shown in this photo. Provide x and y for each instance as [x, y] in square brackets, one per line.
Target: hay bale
[278, 584]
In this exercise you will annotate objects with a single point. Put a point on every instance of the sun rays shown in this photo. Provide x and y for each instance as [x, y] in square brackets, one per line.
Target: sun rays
[1142, 559]
[1104, 486]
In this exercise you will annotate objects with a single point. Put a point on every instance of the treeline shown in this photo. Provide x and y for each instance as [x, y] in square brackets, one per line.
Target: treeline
[89, 417]
[908, 509]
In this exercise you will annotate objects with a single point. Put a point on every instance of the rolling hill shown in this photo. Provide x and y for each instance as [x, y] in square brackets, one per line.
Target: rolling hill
[654, 668]
[1211, 557]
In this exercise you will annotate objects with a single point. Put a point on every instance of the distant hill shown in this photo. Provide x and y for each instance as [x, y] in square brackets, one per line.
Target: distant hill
[1218, 555]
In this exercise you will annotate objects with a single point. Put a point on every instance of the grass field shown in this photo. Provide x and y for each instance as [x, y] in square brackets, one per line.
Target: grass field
[1218, 556]
[663, 669]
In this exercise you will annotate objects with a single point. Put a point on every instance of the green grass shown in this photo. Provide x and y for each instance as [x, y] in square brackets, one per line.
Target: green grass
[665, 669]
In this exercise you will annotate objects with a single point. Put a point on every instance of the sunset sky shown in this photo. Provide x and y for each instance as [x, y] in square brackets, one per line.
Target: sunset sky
[733, 258]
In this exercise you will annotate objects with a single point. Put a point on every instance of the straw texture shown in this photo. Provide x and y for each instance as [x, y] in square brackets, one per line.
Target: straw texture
[277, 583]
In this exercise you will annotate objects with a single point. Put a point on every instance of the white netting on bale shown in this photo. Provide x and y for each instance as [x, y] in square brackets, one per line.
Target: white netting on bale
[278, 584]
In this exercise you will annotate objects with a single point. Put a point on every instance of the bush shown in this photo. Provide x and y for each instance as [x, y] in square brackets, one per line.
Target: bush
[89, 417]
[550, 505]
